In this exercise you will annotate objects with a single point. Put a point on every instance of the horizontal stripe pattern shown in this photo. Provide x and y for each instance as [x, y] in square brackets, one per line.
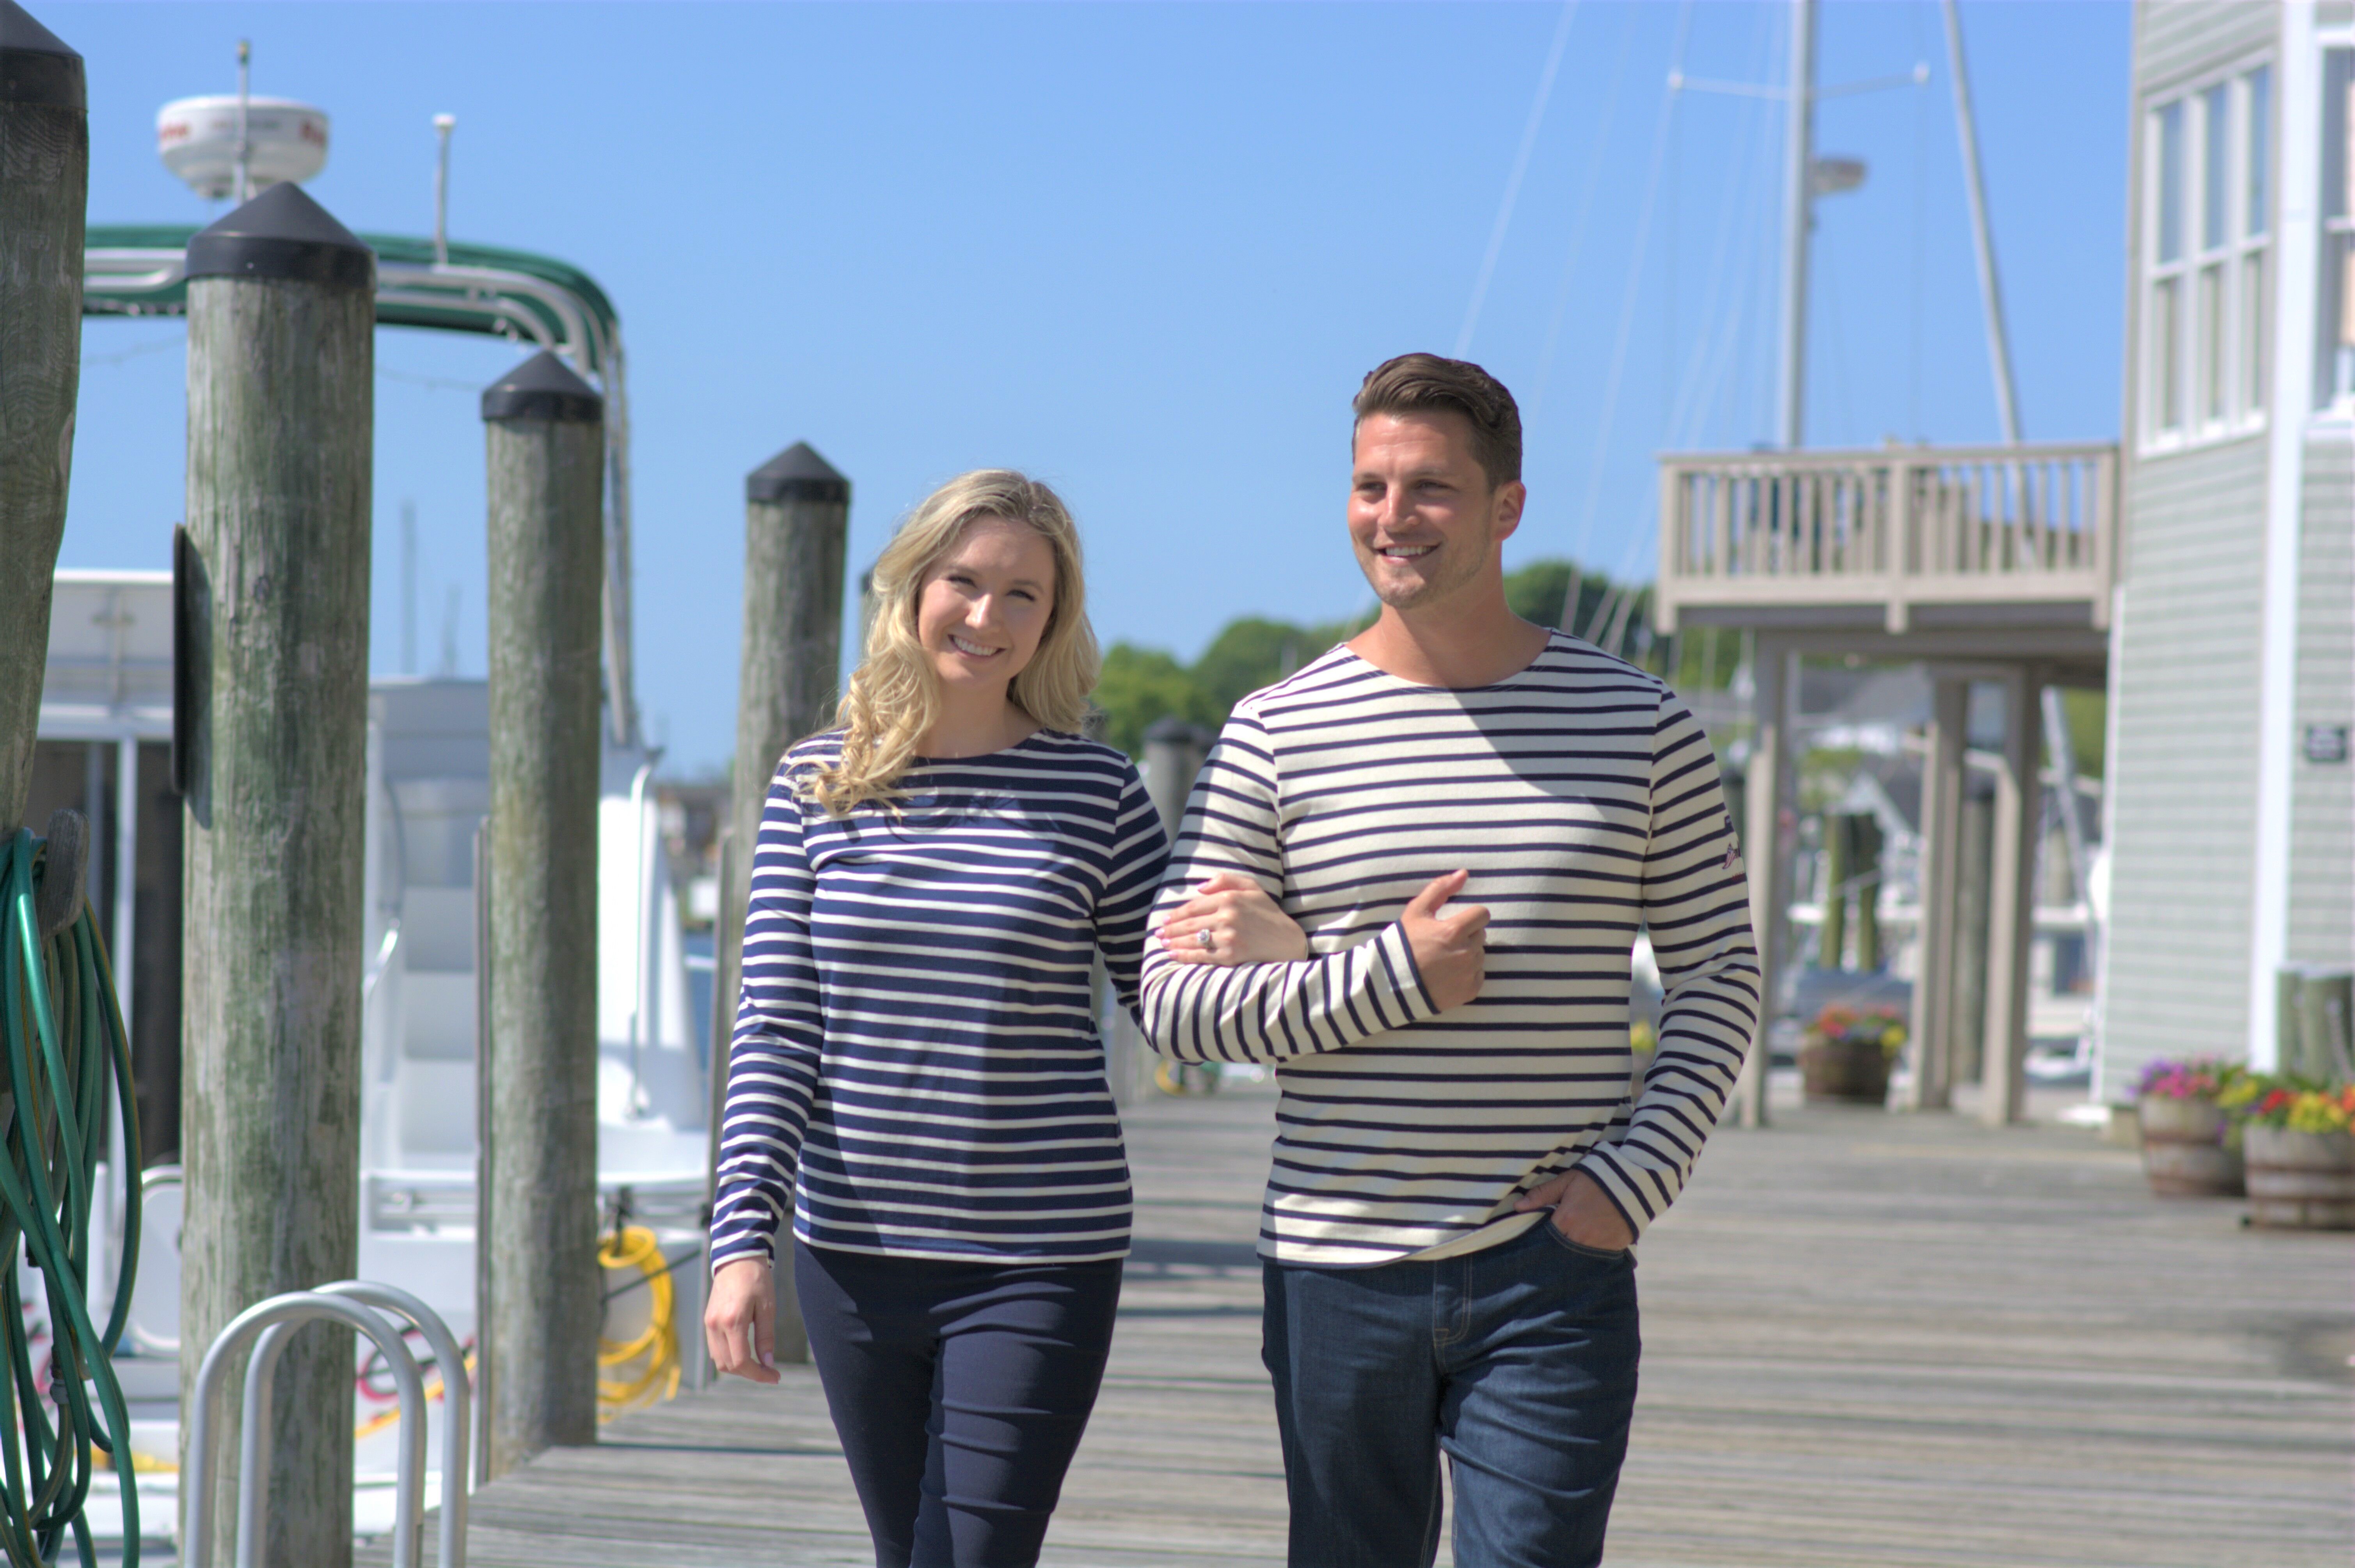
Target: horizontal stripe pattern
[915, 1070]
[1584, 800]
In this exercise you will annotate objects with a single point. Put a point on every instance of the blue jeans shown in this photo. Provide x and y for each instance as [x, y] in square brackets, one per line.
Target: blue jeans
[960, 1391]
[1518, 1362]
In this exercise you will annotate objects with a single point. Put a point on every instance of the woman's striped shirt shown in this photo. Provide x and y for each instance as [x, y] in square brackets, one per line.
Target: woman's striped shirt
[914, 1039]
[1584, 800]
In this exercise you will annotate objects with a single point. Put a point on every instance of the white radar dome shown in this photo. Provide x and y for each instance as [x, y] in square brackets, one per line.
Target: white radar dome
[197, 139]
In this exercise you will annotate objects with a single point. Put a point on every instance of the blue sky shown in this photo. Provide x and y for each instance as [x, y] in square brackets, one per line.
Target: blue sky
[1145, 252]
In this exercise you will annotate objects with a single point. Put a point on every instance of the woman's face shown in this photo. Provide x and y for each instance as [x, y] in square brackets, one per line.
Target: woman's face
[984, 606]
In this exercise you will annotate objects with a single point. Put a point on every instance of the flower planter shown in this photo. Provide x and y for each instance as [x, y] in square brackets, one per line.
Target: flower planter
[2300, 1181]
[1852, 1072]
[2183, 1150]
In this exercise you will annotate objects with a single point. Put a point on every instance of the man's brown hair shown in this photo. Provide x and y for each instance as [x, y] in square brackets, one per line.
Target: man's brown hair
[1419, 383]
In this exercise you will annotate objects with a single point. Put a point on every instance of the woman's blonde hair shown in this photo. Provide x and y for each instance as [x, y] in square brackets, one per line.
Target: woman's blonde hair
[893, 696]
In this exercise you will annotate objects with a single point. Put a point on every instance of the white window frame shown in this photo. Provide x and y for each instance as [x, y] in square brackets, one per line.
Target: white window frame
[2210, 302]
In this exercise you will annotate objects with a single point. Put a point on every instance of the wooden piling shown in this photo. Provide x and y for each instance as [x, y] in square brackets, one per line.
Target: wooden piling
[2011, 903]
[1771, 788]
[282, 321]
[1931, 1085]
[796, 520]
[44, 182]
[1831, 932]
[545, 431]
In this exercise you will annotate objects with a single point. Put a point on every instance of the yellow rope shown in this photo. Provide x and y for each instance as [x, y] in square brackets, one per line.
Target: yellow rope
[656, 1346]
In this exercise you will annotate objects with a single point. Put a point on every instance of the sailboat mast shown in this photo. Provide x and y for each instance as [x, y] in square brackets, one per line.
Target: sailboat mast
[2007, 400]
[1798, 220]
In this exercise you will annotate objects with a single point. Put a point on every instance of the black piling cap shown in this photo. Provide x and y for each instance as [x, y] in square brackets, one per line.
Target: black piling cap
[281, 234]
[543, 387]
[797, 473]
[36, 65]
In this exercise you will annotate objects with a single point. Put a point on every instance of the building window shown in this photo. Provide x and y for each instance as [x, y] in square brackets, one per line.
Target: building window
[2335, 364]
[2210, 216]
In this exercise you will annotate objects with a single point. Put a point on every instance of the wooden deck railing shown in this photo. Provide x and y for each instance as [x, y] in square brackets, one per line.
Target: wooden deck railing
[1896, 529]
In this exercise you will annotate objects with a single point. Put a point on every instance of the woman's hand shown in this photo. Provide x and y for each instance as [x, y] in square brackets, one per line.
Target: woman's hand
[740, 1319]
[1231, 920]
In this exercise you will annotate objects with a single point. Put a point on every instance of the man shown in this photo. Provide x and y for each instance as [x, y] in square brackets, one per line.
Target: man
[1472, 818]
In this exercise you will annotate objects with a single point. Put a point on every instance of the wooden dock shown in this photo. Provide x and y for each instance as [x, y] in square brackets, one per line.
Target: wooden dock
[1870, 1341]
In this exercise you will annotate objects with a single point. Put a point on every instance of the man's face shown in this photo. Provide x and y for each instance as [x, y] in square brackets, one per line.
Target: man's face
[1423, 518]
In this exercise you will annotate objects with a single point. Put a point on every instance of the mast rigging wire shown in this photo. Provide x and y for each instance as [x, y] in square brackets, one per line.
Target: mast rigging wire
[1634, 282]
[1513, 183]
[1586, 207]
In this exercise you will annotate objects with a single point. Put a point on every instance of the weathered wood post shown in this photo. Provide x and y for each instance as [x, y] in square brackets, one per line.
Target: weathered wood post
[1770, 790]
[1933, 1046]
[1967, 967]
[1865, 847]
[44, 182]
[281, 322]
[797, 521]
[1831, 934]
[2011, 904]
[545, 431]
[1174, 751]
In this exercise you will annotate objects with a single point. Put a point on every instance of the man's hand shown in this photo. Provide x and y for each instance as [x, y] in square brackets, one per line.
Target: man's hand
[739, 1321]
[1451, 946]
[1231, 920]
[1581, 1212]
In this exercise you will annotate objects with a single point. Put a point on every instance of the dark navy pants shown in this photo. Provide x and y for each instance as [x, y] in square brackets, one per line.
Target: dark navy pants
[1518, 1362]
[960, 1391]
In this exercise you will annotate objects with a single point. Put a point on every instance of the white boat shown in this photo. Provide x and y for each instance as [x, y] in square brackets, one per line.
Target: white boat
[106, 723]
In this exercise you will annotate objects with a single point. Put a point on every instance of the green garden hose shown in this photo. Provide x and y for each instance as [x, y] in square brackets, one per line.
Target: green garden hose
[67, 1055]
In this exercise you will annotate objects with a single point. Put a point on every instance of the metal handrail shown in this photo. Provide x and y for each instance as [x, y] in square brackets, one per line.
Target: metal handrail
[260, 1374]
[301, 1305]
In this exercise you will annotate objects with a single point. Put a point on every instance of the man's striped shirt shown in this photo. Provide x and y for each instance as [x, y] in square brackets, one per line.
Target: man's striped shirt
[914, 1038]
[1583, 798]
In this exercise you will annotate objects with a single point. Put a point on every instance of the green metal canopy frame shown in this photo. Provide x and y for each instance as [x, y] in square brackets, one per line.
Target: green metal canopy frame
[139, 269]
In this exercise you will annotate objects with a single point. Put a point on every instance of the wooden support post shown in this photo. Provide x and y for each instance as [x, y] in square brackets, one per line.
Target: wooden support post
[1174, 753]
[1765, 797]
[796, 522]
[44, 184]
[1941, 798]
[2011, 905]
[546, 433]
[1968, 969]
[281, 328]
[1865, 844]
[1831, 935]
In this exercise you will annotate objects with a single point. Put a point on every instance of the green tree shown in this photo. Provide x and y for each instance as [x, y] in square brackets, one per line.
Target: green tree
[1141, 685]
[1253, 652]
[1536, 592]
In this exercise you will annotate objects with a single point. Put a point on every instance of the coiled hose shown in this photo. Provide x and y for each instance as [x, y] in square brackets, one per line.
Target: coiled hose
[656, 1346]
[68, 1055]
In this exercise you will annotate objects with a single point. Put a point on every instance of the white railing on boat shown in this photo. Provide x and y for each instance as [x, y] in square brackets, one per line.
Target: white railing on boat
[1896, 529]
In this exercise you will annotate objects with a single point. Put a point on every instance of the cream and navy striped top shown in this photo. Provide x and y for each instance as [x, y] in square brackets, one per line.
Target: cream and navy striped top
[914, 1039]
[1583, 798]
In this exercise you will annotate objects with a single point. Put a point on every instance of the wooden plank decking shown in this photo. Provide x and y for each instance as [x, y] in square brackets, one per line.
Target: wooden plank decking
[1870, 1341]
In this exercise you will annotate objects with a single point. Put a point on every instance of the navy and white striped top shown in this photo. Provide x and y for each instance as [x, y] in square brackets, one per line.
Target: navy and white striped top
[1583, 798]
[914, 1039]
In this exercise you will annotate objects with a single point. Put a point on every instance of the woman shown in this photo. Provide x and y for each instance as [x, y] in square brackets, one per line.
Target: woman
[914, 1039]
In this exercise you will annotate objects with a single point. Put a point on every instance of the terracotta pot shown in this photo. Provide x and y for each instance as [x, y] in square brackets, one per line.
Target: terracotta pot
[2183, 1150]
[2300, 1181]
[1845, 1071]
